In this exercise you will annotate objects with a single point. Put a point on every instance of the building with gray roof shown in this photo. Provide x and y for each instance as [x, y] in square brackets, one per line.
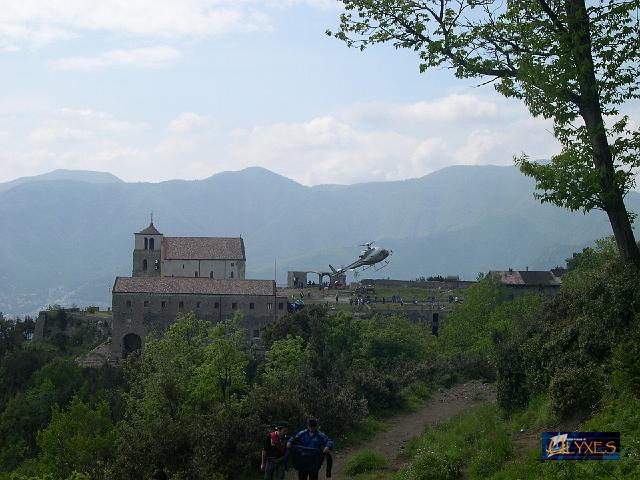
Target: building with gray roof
[529, 280]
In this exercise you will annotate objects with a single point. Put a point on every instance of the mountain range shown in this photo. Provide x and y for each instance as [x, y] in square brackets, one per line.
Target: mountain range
[65, 235]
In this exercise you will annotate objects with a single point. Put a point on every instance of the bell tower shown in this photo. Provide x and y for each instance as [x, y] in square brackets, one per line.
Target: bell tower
[147, 261]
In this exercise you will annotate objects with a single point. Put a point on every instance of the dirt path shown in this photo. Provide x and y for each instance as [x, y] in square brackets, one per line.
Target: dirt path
[442, 406]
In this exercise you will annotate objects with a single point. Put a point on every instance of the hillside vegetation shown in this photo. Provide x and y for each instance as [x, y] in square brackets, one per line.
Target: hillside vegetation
[567, 363]
[199, 399]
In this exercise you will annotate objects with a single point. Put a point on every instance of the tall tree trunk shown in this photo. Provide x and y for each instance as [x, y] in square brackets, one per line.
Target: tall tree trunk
[579, 38]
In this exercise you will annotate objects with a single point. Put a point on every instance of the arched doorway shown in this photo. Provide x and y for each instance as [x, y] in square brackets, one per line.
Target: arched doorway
[131, 343]
[324, 277]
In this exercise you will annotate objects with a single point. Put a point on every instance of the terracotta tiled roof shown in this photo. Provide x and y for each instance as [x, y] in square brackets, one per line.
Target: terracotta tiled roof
[150, 230]
[193, 286]
[203, 248]
[527, 278]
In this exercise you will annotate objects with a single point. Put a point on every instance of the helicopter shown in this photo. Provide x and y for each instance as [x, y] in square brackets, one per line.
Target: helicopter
[369, 257]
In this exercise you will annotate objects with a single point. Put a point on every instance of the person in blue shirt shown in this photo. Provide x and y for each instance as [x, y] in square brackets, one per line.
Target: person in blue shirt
[310, 447]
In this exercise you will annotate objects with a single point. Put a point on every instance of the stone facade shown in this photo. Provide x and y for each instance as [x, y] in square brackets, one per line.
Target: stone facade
[136, 314]
[155, 255]
[176, 275]
[296, 279]
[71, 323]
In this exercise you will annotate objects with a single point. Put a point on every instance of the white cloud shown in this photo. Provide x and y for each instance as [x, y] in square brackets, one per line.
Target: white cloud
[188, 122]
[36, 23]
[449, 109]
[345, 146]
[150, 57]
[14, 35]
[387, 141]
[54, 134]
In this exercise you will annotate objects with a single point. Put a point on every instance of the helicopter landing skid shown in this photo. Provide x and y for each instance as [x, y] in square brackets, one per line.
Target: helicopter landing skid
[375, 269]
[385, 264]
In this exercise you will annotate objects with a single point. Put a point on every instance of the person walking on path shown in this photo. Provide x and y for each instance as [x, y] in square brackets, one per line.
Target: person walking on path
[274, 453]
[313, 446]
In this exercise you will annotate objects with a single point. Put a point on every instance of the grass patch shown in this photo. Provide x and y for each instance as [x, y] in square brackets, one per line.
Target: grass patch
[479, 440]
[361, 431]
[365, 461]
[536, 416]
[415, 394]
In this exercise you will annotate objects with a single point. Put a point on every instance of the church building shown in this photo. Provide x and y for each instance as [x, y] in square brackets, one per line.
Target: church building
[173, 275]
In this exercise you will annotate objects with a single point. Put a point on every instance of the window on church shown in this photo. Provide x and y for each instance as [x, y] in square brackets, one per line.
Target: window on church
[151, 244]
[180, 304]
[129, 303]
[252, 306]
[233, 264]
[216, 305]
[211, 274]
[146, 303]
[256, 333]
[231, 275]
[163, 304]
[144, 264]
[234, 306]
[197, 304]
[269, 306]
[146, 243]
[280, 306]
[157, 265]
[195, 274]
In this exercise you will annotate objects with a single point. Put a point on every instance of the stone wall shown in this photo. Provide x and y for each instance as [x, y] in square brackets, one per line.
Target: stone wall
[142, 313]
[222, 269]
[445, 285]
[72, 323]
[151, 256]
[422, 316]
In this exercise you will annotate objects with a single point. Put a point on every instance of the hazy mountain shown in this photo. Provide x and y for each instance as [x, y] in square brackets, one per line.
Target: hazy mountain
[79, 175]
[66, 236]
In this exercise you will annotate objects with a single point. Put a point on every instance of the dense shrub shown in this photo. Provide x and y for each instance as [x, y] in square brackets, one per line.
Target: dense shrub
[575, 390]
[511, 387]
[626, 364]
[579, 341]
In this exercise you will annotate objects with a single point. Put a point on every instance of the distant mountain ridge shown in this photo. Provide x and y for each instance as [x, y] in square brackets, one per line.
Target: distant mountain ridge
[62, 174]
[66, 236]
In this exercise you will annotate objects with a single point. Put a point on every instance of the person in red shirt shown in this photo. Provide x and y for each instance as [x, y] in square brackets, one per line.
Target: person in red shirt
[274, 450]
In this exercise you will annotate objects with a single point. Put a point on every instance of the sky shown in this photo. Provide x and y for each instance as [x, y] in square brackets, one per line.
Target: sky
[152, 90]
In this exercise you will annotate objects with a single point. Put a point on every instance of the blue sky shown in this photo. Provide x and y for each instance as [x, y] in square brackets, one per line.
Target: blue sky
[155, 90]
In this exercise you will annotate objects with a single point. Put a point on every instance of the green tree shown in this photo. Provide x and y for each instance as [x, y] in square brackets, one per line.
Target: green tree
[13, 333]
[185, 393]
[573, 61]
[224, 370]
[288, 359]
[79, 439]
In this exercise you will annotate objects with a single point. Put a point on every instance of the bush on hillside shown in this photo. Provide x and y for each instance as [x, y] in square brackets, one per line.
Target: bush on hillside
[575, 390]
[365, 461]
[626, 365]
